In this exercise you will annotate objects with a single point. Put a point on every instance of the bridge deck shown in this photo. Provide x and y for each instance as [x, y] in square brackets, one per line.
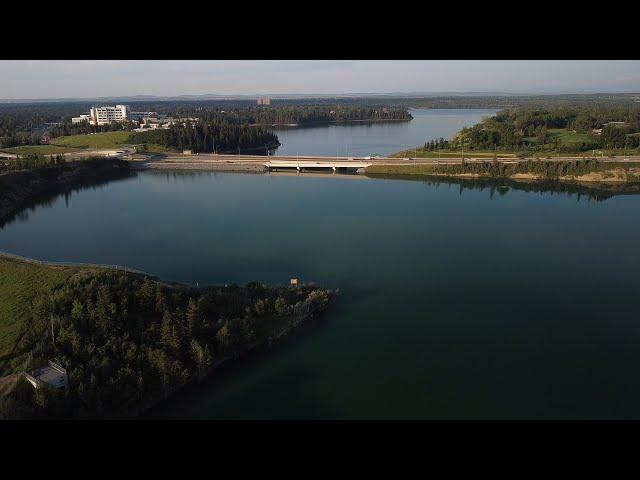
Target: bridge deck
[311, 164]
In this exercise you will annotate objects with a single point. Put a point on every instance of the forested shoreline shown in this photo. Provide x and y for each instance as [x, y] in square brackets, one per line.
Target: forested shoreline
[129, 342]
[559, 129]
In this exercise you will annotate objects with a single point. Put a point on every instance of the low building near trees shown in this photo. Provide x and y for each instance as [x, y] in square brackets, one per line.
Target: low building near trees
[51, 374]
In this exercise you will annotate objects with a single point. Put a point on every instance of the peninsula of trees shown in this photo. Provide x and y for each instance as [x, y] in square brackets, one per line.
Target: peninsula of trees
[560, 129]
[128, 341]
[304, 115]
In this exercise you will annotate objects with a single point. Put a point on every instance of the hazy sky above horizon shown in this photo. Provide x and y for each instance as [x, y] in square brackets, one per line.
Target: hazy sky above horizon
[23, 79]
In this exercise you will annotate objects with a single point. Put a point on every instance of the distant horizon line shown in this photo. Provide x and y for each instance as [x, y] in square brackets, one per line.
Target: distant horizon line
[293, 96]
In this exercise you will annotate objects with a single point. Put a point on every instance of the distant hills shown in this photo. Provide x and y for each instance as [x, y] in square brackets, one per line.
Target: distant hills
[311, 96]
[156, 98]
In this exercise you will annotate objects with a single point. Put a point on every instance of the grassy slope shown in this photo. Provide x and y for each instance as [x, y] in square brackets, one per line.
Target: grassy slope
[103, 141]
[20, 282]
[42, 149]
[106, 140]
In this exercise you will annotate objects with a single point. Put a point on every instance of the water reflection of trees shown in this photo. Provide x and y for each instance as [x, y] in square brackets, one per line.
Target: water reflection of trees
[499, 187]
[48, 199]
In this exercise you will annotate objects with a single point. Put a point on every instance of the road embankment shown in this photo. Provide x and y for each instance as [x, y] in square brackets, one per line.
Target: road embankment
[567, 171]
[206, 166]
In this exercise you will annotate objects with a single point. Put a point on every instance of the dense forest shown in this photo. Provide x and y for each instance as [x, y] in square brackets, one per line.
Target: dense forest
[128, 342]
[529, 128]
[211, 136]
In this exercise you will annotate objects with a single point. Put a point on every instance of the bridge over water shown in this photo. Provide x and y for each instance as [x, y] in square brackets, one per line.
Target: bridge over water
[333, 165]
[318, 164]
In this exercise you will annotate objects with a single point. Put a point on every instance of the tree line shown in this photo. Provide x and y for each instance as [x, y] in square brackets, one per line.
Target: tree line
[303, 115]
[218, 136]
[31, 161]
[439, 144]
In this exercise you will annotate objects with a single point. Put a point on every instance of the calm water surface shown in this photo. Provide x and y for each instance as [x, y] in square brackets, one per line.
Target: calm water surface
[454, 304]
[363, 139]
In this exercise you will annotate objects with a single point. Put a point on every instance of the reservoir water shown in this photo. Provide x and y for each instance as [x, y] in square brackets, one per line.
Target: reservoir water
[456, 301]
[363, 139]
[454, 304]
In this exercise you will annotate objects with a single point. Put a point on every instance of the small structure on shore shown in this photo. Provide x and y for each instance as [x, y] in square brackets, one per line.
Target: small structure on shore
[294, 283]
[51, 374]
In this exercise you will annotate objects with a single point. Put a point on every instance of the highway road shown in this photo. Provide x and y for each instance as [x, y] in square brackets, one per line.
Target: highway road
[206, 158]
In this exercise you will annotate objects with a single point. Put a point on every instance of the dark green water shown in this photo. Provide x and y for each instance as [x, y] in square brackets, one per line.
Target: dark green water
[454, 304]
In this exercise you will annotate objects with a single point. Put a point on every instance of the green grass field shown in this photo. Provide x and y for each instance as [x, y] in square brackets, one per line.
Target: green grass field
[104, 141]
[566, 137]
[41, 149]
[96, 141]
[20, 282]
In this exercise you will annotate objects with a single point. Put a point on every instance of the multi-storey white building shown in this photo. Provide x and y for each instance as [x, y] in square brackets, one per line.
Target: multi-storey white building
[106, 115]
[119, 113]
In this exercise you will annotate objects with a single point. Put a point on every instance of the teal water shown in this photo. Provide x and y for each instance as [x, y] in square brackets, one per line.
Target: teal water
[454, 303]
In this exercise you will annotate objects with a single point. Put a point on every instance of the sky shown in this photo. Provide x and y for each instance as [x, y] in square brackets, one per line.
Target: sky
[41, 79]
